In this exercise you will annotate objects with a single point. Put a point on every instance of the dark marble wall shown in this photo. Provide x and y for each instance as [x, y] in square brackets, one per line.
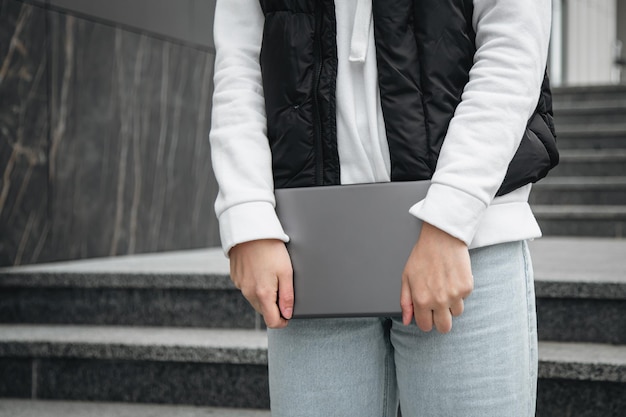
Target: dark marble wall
[24, 128]
[103, 139]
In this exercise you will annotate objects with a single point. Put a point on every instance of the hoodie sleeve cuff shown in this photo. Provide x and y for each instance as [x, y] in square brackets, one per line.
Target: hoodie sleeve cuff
[451, 210]
[249, 221]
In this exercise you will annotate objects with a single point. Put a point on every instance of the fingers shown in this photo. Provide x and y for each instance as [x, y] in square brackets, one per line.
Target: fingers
[437, 278]
[285, 293]
[424, 319]
[443, 320]
[442, 317]
[456, 309]
[269, 308]
[406, 302]
[262, 271]
[438, 315]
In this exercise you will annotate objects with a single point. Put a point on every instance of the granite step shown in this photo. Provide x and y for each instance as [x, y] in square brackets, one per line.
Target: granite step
[10, 407]
[582, 220]
[222, 368]
[206, 367]
[580, 191]
[599, 113]
[187, 288]
[591, 137]
[582, 380]
[589, 162]
[192, 289]
[580, 286]
[584, 96]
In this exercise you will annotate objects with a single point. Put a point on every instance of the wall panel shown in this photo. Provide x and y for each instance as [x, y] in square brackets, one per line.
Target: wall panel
[103, 138]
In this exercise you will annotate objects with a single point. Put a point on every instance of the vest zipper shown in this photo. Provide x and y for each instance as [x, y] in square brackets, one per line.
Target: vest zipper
[319, 165]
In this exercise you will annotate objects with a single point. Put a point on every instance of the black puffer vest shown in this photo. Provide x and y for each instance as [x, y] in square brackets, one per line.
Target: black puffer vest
[424, 50]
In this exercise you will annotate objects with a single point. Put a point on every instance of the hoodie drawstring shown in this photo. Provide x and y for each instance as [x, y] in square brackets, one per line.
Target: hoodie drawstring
[361, 31]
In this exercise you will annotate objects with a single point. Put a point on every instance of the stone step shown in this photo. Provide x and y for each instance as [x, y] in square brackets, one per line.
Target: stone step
[580, 286]
[580, 191]
[588, 96]
[593, 115]
[225, 368]
[591, 137]
[592, 163]
[187, 288]
[208, 367]
[582, 380]
[158, 290]
[581, 220]
[58, 408]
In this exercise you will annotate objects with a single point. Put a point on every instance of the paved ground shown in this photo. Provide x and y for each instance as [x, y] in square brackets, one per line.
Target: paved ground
[579, 259]
[190, 261]
[554, 259]
[585, 259]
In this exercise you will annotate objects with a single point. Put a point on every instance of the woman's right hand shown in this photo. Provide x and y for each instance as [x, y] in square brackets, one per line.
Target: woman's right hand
[262, 270]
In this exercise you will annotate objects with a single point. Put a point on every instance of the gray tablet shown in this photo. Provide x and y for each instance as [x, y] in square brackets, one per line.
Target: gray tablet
[349, 245]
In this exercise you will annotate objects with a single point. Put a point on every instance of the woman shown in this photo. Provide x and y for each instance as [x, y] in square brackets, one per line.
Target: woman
[353, 91]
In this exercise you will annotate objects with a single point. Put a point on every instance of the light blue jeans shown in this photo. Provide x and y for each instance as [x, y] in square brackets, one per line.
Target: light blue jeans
[486, 366]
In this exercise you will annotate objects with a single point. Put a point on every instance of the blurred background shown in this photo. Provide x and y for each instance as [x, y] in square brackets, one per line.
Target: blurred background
[105, 111]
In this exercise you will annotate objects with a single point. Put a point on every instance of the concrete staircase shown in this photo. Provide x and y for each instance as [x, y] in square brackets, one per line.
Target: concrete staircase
[121, 335]
[586, 194]
[150, 329]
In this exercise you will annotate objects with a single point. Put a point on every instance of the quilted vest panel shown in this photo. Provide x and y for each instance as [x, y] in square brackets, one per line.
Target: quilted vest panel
[424, 48]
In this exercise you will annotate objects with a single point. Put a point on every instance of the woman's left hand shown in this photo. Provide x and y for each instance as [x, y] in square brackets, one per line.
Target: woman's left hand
[436, 279]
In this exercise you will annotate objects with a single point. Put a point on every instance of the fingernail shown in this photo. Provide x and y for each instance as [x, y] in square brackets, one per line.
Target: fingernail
[288, 312]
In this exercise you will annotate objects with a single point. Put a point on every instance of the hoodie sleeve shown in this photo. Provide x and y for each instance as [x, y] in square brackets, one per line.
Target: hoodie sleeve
[240, 152]
[512, 40]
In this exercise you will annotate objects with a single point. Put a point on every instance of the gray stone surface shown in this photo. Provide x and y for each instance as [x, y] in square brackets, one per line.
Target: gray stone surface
[173, 307]
[558, 360]
[188, 268]
[70, 365]
[47, 408]
[188, 262]
[586, 140]
[582, 361]
[192, 383]
[585, 94]
[579, 191]
[24, 128]
[15, 377]
[604, 228]
[183, 288]
[192, 288]
[114, 280]
[597, 113]
[580, 212]
[591, 289]
[588, 262]
[103, 137]
[581, 320]
[555, 259]
[189, 21]
[135, 343]
[581, 162]
[570, 398]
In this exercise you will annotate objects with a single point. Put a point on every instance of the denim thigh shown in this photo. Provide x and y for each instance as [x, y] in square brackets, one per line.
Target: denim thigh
[486, 366]
[332, 367]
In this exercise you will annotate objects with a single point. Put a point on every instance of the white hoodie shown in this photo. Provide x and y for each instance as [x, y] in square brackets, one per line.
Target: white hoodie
[512, 39]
